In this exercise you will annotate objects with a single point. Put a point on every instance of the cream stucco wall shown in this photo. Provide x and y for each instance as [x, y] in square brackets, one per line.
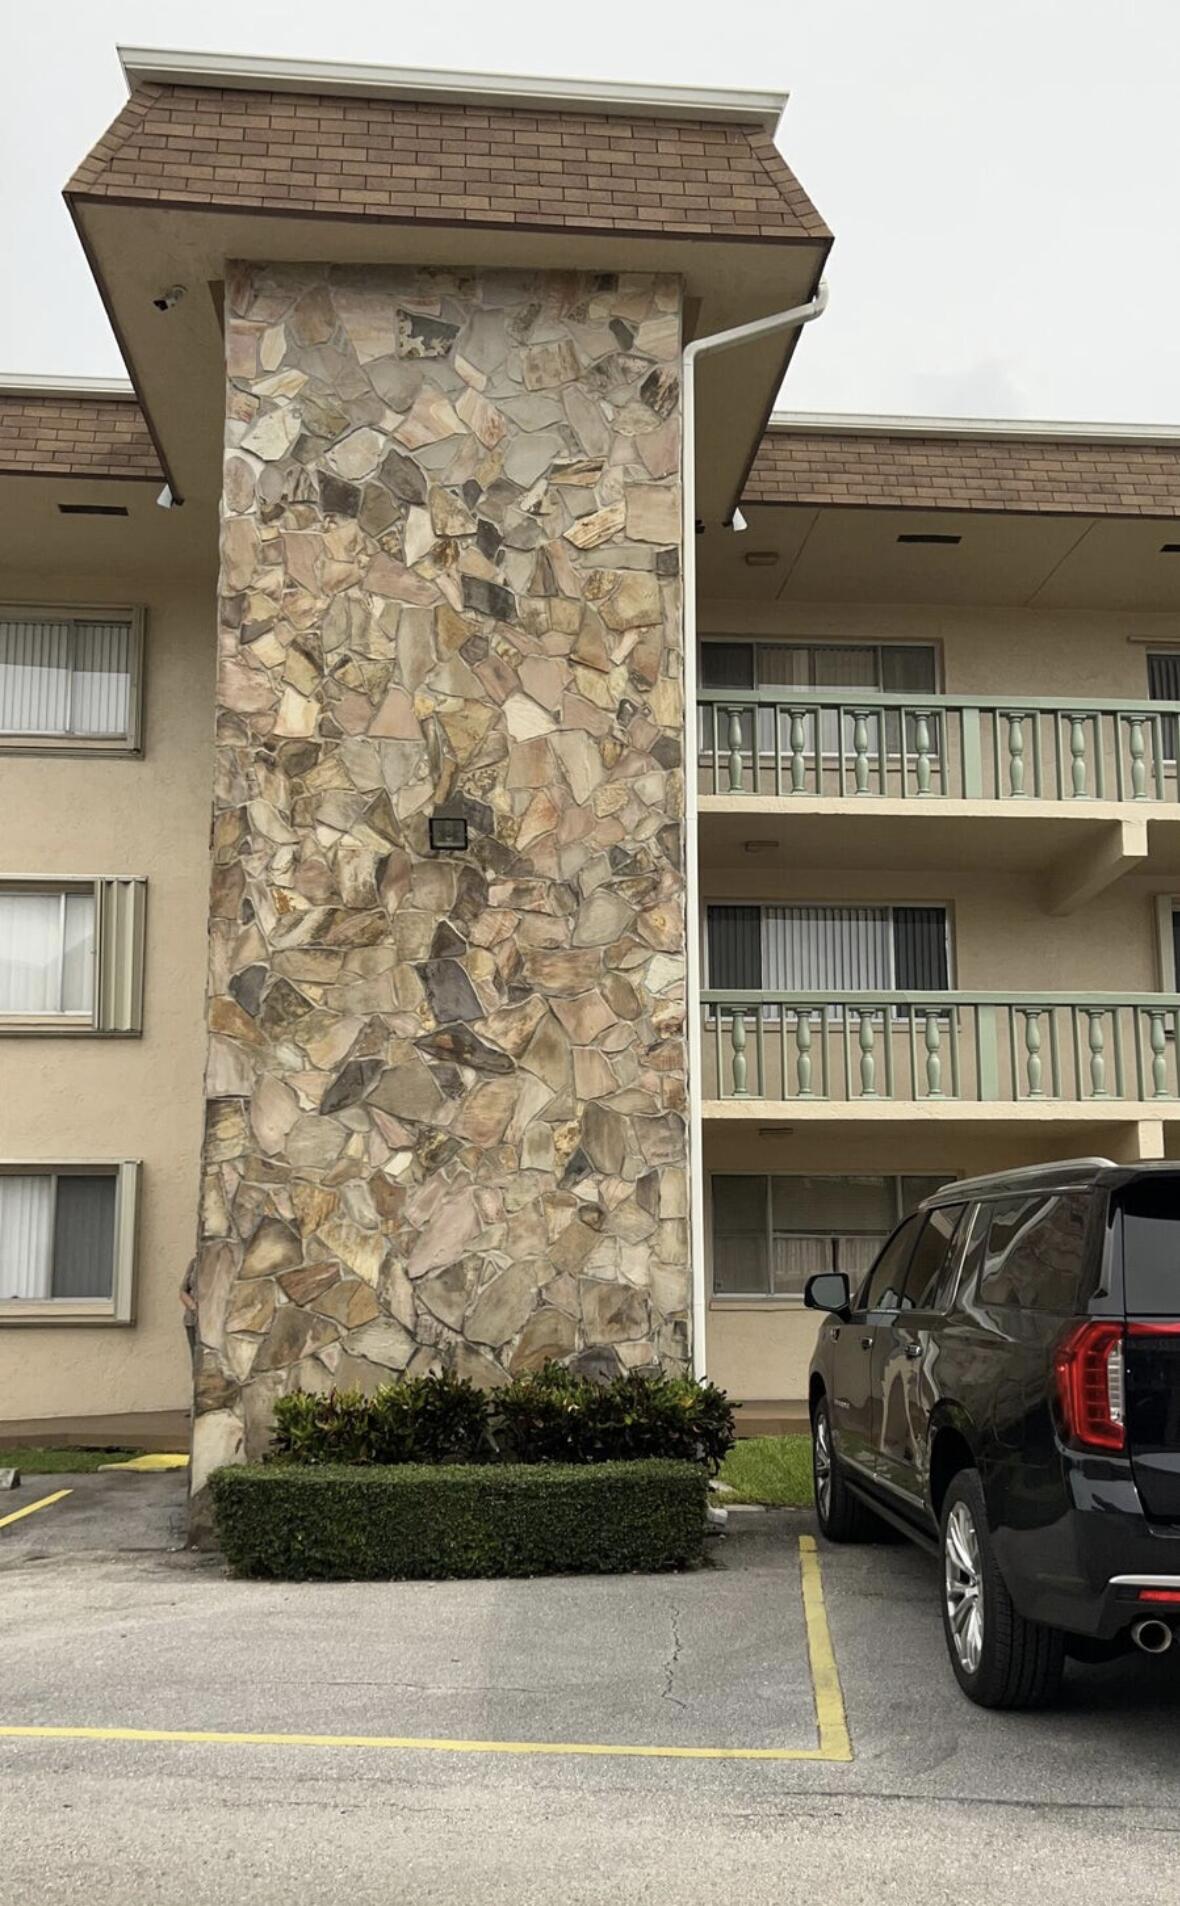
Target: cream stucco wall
[987, 651]
[97, 1098]
[1002, 934]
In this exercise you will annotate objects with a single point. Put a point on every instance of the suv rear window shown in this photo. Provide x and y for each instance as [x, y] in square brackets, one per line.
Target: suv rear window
[1151, 1246]
[1035, 1258]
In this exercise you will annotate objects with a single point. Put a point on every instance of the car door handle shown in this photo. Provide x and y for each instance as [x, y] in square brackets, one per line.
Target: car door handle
[913, 1351]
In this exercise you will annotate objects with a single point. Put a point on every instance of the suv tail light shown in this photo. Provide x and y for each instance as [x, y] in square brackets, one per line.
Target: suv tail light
[1091, 1384]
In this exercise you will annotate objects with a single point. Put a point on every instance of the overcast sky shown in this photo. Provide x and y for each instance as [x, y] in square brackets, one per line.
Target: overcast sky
[1001, 175]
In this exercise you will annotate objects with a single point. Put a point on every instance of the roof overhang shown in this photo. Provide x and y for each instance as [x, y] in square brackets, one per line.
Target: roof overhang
[18, 384]
[732, 105]
[138, 246]
[835, 423]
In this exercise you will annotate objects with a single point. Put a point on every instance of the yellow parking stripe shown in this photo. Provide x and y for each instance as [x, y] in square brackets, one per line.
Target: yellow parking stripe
[31, 1508]
[833, 1744]
[831, 1719]
[411, 1742]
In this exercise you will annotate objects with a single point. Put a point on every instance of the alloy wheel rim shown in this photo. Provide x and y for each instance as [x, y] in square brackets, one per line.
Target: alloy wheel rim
[964, 1587]
[822, 1447]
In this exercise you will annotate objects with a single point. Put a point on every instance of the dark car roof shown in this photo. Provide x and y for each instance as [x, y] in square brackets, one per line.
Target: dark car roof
[1065, 1174]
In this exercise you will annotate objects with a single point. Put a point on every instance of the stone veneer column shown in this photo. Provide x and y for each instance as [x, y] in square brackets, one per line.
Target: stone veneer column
[446, 1093]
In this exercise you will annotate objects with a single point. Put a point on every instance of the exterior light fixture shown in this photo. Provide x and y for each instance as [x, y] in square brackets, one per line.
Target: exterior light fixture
[448, 834]
[929, 537]
[761, 558]
[759, 846]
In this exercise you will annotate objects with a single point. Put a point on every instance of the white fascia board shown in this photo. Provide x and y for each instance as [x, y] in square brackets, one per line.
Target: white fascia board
[839, 424]
[17, 384]
[619, 97]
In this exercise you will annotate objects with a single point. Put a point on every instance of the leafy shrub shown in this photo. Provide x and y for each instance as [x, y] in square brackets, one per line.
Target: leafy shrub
[548, 1416]
[553, 1416]
[433, 1419]
[300, 1523]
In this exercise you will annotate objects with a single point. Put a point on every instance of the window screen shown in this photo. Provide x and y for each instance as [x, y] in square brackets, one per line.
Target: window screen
[1035, 1257]
[740, 1242]
[735, 949]
[1163, 685]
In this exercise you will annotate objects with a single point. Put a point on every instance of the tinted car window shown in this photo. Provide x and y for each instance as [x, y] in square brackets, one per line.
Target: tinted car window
[930, 1252]
[1151, 1246]
[1035, 1257]
[886, 1280]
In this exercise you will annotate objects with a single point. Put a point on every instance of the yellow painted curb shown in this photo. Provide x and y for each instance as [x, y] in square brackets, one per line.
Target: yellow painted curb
[31, 1508]
[148, 1464]
[833, 1744]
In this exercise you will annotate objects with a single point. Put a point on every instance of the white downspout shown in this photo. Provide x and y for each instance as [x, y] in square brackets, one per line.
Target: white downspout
[801, 314]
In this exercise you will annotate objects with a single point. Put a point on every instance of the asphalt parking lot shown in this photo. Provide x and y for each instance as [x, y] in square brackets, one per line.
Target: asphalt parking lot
[939, 1802]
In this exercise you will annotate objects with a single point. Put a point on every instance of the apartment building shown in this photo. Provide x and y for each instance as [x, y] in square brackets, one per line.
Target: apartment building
[938, 807]
[363, 934]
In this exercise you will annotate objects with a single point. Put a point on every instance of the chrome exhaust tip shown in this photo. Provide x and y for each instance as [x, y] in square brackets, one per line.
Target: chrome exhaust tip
[1154, 1637]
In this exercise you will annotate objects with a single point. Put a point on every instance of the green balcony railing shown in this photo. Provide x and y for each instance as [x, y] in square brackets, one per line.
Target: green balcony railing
[800, 742]
[1034, 1048]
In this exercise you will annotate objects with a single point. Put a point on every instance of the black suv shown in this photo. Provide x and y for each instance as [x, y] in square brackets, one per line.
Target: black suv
[1005, 1389]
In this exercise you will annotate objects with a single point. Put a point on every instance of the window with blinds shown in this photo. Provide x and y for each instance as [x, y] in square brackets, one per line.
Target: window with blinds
[805, 949]
[896, 668]
[47, 953]
[70, 679]
[67, 1241]
[772, 1232]
[71, 957]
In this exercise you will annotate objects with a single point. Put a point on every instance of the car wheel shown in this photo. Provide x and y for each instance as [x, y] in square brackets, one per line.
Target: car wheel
[999, 1658]
[841, 1517]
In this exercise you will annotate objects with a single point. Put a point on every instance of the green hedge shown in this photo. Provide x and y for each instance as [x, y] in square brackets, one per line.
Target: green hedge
[303, 1523]
[551, 1415]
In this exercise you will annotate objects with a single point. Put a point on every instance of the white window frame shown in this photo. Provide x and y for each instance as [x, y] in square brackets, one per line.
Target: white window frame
[787, 1300]
[130, 743]
[120, 911]
[119, 1307]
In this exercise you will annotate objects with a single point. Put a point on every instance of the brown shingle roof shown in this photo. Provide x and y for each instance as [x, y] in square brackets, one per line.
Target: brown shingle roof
[407, 160]
[1061, 476]
[75, 436]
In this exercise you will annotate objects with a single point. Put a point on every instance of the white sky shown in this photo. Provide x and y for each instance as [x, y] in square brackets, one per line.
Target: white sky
[1001, 175]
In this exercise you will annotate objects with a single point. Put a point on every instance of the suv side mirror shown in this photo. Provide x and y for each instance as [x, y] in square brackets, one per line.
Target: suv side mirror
[829, 1291]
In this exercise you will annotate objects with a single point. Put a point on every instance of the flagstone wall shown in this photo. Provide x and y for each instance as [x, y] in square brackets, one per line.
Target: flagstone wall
[445, 1120]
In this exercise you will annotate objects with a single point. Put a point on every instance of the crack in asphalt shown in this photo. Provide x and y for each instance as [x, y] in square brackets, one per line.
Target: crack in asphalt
[670, 1664]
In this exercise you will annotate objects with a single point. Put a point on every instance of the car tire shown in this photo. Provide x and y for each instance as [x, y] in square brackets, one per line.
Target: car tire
[999, 1659]
[841, 1516]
